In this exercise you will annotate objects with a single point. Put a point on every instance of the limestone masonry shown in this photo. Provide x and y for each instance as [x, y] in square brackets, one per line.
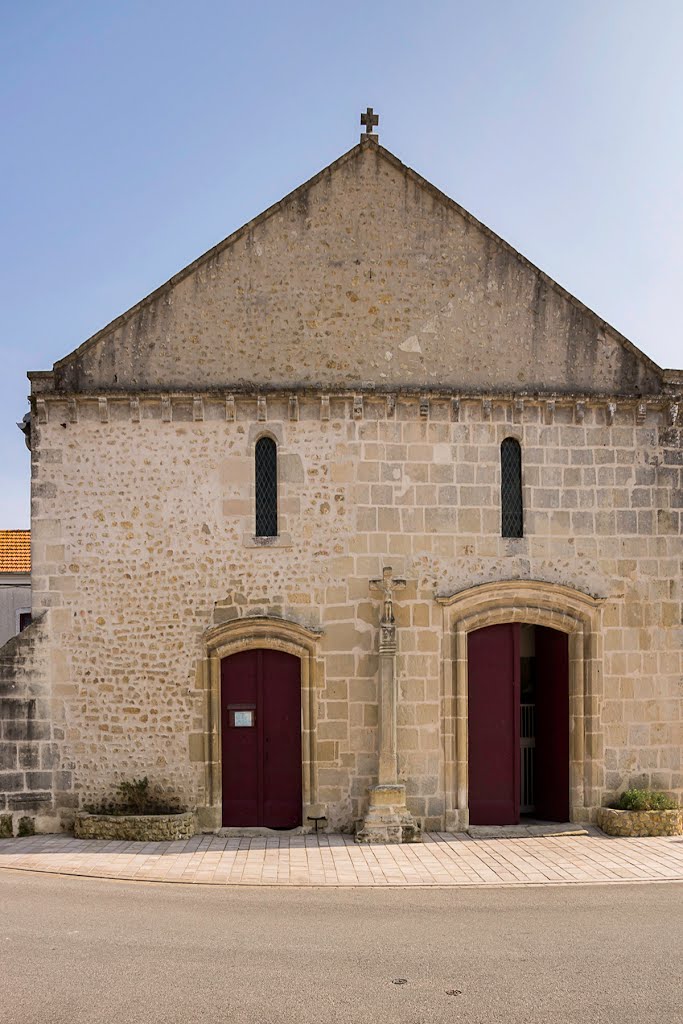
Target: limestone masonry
[388, 343]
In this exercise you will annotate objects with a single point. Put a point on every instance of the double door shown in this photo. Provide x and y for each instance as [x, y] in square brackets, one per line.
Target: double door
[495, 742]
[261, 739]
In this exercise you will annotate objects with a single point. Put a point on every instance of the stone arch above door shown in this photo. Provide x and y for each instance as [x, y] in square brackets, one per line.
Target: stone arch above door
[252, 633]
[539, 604]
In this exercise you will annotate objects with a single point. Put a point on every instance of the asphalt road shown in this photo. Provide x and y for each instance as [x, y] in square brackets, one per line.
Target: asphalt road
[81, 950]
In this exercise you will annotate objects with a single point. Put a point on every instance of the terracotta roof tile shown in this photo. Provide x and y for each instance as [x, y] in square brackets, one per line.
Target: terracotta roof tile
[15, 550]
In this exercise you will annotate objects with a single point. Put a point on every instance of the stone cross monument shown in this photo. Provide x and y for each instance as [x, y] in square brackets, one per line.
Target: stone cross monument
[388, 819]
[388, 764]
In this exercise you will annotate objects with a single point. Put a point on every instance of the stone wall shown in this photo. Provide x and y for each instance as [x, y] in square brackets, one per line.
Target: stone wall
[365, 274]
[31, 775]
[143, 539]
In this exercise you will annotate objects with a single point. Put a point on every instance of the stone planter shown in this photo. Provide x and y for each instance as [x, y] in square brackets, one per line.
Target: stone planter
[640, 823]
[140, 827]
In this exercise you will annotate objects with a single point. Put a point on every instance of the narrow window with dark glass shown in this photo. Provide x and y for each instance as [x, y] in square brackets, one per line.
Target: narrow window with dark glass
[266, 487]
[511, 488]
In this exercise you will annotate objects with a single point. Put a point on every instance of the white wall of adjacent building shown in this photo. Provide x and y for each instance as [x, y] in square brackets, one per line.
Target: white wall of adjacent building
[15, 603]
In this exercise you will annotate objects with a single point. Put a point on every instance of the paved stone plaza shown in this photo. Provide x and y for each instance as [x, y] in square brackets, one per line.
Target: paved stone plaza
[443, 859]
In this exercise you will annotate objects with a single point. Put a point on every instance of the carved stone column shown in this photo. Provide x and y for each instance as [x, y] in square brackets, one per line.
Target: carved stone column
[388, 820]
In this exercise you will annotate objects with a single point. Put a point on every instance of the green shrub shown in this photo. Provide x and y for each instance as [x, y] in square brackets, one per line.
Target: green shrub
[133, 797]
[6, 826]
[27, 827]
[644, 800]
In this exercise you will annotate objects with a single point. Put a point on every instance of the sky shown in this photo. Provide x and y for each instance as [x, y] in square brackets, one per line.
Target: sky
[138, 134]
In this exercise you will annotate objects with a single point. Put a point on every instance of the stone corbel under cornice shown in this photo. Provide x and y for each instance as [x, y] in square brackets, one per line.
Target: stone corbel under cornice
[112, 407]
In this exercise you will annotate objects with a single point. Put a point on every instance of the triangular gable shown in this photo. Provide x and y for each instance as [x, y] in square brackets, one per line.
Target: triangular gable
[365, 276]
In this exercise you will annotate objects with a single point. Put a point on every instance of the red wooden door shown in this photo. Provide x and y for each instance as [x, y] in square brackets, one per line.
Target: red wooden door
[552, 725]
[493, 724]
[261, 739]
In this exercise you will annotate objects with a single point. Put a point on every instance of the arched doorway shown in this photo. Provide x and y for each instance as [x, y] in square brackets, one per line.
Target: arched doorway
[261, 739]
[518, 724]
[246, 636]
[560, 609]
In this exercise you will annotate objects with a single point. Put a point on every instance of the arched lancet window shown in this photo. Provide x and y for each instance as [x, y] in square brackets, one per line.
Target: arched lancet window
[265, 458]
[512, 514]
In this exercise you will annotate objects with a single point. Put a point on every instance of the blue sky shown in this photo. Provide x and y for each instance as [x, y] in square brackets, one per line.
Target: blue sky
[138, 134]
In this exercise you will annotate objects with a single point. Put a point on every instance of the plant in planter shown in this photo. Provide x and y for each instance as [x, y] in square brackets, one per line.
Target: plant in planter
[644, 800]
[642, 812]
[134, 813]
[134, 797]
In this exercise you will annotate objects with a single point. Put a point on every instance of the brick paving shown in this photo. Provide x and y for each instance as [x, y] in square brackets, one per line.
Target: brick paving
[443, 859]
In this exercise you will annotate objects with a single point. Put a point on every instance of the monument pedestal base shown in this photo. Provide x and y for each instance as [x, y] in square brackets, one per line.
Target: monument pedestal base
[388, 820]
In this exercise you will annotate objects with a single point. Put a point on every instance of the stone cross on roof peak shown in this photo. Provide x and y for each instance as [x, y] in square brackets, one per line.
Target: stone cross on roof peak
[369, 120]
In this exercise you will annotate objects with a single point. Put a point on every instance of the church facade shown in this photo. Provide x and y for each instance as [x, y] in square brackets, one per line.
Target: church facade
[359, 518]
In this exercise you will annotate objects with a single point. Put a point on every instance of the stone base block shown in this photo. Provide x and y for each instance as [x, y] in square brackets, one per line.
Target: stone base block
[209, 819]
[388, 819]
[457, 820]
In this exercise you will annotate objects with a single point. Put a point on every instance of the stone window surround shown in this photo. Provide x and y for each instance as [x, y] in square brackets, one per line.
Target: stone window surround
[253, 633]
[250, 539]
[540, 604]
